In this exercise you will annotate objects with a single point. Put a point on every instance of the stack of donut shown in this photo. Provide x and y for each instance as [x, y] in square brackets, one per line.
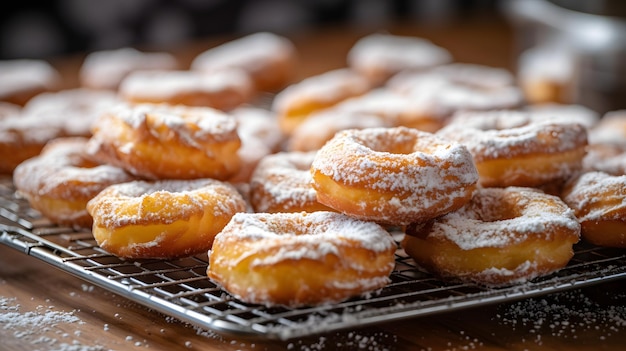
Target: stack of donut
[294, 199]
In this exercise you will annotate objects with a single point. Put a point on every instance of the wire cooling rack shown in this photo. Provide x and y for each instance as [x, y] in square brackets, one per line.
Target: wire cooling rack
[180, 288]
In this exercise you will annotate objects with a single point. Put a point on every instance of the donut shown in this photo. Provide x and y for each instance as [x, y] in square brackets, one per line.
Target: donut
[461, 87]
[529, 155]
[611, 129]
[73, 109]
[393, 175]
[162, 219]
[297, 101]
[380, 56]
[567, 113]
[607, 158]
[23, 137]
[269, 59]
[8, 109]
[105, 69]
[320, 127]
[282, 183]
[503, 236]
[223, 90]
[157, 141]
[260, 136]
[547, 74]
[300, 259]
[62, 179]
[24, 78]
[397, 109]
[597, 199]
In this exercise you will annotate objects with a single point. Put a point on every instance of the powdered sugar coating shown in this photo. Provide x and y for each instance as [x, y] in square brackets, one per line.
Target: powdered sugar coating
[63, 162]
[320, 127]
[300, 259]
[321, 232]
[418, 168]
[175, 199]
[534, 138]
[25, 74]
[107, 68]
[461, 86]
[597, 196]
[62, 177]
[394, 53]
[190, 124]
[269, 59]
[164, 85]
[326, 88]
[282, 183]
[483, 222]
[403, 175]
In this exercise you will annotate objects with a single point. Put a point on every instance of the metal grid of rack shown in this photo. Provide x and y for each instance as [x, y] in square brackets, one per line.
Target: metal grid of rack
[180, 288]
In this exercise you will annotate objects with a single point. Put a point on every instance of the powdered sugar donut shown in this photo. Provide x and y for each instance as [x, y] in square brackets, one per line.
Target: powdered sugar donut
[503, 236]
[461, 87]
[393, 175]
[74, 109]
[62, 179]
[260, 136]
[419, 112]
[597, 199]
[299, 259]
[24, 78]
[296, 102]
[269, 59]
[47, 116]
[611, 129]
[162, 219]
[162, 141]
[319, 128]
[380, 56]
[106, 69]
[282, 183]
[531, 154]
[223, 90]
[607, 158]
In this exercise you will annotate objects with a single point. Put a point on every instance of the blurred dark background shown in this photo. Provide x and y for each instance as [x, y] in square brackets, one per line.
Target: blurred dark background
[40, 29]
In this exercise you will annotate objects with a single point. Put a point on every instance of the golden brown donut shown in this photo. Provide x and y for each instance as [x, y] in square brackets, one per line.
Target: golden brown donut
[24, 78]
[380, 56]
[607, 158]
[162, 141]
[162, 219]
[299, 259]
[260, 136]
[62, 179]
[503, 236]
[460, 87]
[269, 59]
[320, 127]
[525, 154]
[296, 102]
[547, 74]
[45, 117]
[393, 175]
[598, 202]
[105, 69]
[23, 137]
[222, 90]
[611, 129]
[282, 183]
[397, 109]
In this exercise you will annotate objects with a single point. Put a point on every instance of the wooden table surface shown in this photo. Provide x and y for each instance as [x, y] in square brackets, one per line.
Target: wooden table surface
[43, 308]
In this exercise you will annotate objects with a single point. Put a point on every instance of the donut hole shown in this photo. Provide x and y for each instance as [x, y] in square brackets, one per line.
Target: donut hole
[391, 145]
[482, 208]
